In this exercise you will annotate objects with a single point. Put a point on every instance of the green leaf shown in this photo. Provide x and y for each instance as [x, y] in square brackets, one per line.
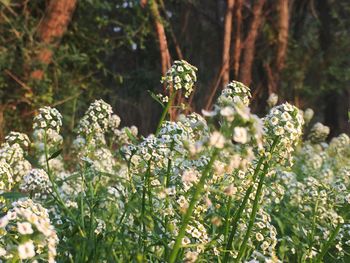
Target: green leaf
[13, 195]
[55, 154]
[130, 135]
[154, 96]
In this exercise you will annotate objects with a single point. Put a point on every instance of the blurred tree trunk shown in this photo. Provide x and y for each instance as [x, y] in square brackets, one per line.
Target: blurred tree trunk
[227, 43]
[162, 40]
[238, 36]
[249, 45]
[164, 50]
[283, 28]
[326, 40]
[50, 31]
[282, 44]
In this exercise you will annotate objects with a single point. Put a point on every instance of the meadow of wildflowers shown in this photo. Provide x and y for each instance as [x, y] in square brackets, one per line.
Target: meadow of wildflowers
[222, 186]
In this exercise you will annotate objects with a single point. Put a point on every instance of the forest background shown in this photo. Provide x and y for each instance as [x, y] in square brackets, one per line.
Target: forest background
[67, 53]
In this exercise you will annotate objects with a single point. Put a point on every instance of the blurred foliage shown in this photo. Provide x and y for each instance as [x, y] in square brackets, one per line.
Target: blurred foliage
[110, 51]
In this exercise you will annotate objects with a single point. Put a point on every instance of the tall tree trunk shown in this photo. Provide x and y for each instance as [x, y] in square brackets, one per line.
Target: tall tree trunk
[283, 28]
[274, 70]
[50, 31]
[227, 43]
[163, 48]
[238, 36]
[162, 40]
[249, 47]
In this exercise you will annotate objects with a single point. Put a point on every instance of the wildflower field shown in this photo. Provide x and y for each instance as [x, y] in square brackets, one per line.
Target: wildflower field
[225, 185]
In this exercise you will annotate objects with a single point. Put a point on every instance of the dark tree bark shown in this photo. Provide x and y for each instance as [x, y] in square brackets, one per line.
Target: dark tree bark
[238, 38]
[283, 28]
[282, 45]
[50, 31]
[162, 40]
[249, 47]
[227, 43]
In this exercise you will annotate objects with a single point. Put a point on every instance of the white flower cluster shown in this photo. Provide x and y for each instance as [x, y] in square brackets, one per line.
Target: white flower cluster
[318, 133]
[283, 127]
[195, 124]
[340, 144]
[234, 91]
[308, 115]
[51, 138]
[11, 153]
[96, 118]
[6, 178]
[96, 125]
[312, 210]
[103, 160]
[114, 122]
[121, 136]
[27, 233]
[14, 155]
[36, 181]
[181, 75]
[196, 185]
[48, 118]
[248, 127]
[20, 138]
[272, 100]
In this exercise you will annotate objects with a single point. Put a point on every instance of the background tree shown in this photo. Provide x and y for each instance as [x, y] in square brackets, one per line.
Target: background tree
[111, 49]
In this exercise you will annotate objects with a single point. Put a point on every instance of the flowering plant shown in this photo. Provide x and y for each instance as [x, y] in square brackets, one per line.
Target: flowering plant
[224, 186]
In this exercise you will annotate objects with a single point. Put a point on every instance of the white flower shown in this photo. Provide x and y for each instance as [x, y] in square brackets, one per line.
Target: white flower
[208, 113]
[240, 135]
[272, 100]
[286, 116]
[180, 69]
[217, 140]
[4, 221]
[274, 120]
[190, 176]
[308, 114]
[228, 113]
[2, 252]
[26, 250]
[25, 228]
[259, 237]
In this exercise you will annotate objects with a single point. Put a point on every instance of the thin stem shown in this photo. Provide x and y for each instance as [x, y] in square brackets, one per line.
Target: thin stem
[54, 186]
[227, 220]
[312, 234]
[253, 213]
[328, 244]
[189, 211]
[143, 208]
[165, 112]
[239, 212]
[167, 183]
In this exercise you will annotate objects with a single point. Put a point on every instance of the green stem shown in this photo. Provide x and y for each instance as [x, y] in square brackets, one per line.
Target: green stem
[189, 211]
[312, 234]
[253, 213]
[227, 220]
[54, 186]
[143, 208]
[167, 183]
[239, 212]
[328, 244]
[165, 112]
